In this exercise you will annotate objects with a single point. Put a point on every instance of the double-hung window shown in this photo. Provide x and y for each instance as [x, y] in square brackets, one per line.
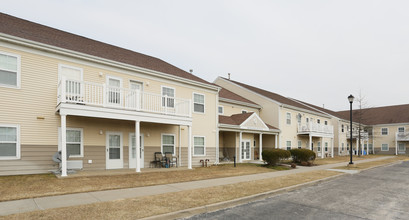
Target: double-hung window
[299, 144]
[74, 141]
[168, 97]
[199, 146]
[198, 103]
[384, 131]
[288, 145]
[319, 147]
[9, 141]
[326, 146]
[385, 147]
[168, 143]
[401, 129]
[9, 70]
[221, 110]
[288, 118]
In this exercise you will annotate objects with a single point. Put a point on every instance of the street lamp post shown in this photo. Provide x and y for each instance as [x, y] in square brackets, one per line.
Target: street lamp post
[351, 100]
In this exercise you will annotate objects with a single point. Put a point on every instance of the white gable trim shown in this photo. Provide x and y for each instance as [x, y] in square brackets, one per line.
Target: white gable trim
[252, 117]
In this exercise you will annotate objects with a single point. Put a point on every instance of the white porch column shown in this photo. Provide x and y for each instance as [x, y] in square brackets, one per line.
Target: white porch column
[63, 145]
[240, 140]
[322, 147]
[180, 147]
[138, 146]
[310, 142]
[189, 148]
[362, 148]
[332, 147]
[217, 146]
[396, 144]
[357, 147]
[276, 141]
[260, 146]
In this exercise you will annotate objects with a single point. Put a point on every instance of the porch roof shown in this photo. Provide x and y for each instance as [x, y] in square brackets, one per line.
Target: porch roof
[237, 121]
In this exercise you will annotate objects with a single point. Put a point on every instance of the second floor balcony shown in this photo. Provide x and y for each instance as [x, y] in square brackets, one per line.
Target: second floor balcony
[315, 128]
[101, 95]
[402, 136]
[355, 134]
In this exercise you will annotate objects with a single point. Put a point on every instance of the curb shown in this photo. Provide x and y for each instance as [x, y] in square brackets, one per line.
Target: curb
[230, 203]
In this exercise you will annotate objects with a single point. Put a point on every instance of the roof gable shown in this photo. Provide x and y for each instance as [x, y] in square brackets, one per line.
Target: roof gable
[248, 120]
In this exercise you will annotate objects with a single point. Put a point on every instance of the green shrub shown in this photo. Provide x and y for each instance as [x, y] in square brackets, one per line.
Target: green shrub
[273, 156]
[302, 155]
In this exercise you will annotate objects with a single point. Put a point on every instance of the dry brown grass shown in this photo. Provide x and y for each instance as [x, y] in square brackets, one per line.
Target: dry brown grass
[339, 159]
[367, 165]
[170, 202]
[30, 186]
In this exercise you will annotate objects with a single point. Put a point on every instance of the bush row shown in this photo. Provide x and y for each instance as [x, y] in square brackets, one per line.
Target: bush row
[273, 156]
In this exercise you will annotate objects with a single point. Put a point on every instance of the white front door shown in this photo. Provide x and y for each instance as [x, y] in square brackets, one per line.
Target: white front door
[114, 90]
[135, 95]
[132, 151]
[114, 151]
[401, 148]
[73, 85]
[245, 150]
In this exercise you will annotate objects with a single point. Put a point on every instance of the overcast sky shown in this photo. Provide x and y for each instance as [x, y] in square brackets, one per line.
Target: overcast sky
[314, 51]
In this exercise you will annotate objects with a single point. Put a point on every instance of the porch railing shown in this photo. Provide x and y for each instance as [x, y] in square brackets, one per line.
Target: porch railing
[95, 94]
[364, 135]
[315, 127]
[402, 136]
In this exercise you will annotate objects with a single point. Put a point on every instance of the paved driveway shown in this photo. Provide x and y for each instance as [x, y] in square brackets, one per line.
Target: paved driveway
[381, 193]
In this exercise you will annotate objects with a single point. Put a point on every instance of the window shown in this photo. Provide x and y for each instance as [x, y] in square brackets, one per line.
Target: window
[299, 144]
[168, 97]
[198, 146]
[114, 89]
[342, 128]
[319, 146]
[168, 143]
[318, 121]
[342, 148]
[9, 141]
[325, 122]
[401, 129]
[385, 147]
[288, 118]
[74, 141]
[221, 110]
[307, 120]
[370, 131]
[384, 131]
[288, 145]
[299, 118]
[9, 70]
[243, 111]
[401, 147]
[198, 103]
[326, 146]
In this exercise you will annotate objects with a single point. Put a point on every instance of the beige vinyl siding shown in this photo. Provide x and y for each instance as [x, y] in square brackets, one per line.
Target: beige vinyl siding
[231, 109]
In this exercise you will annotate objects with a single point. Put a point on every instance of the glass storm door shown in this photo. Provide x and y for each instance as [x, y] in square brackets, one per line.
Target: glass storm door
[245, 150]
[114, 152]
[132, 151]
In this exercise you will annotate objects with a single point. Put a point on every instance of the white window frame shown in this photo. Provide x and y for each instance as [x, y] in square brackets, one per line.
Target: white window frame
[326, 147]
[204, 145]
[18, 74]
[174, 143]
[204, 103]
[60, 66]
[299, 144]
[404, 147]
[319, 147]
[243, 111]
[222, 108]
[287, 145]
[82, 141]
[387, 145]
[342, 147]
[401, 131]
[18, 147]
[174, 96]
[342, 128]
[387, 131]
[325, 122]
[288, 118]
[318, 121]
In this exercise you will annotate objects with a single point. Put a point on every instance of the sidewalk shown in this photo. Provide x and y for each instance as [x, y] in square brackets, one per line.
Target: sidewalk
[49, 202]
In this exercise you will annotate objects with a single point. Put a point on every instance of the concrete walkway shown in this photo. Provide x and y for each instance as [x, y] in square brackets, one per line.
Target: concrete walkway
[49, 202]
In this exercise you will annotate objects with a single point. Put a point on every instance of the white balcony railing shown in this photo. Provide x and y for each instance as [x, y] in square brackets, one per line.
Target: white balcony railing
[402, 136]
[364, 135]
[316, 128]
[89, 93]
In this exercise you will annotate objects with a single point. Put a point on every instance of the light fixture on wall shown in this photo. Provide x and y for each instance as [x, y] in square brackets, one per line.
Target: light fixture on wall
[147, 134]
[101, 74]
[100, 132]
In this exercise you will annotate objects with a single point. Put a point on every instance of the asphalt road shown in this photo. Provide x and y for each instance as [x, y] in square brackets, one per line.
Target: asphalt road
[380, 193]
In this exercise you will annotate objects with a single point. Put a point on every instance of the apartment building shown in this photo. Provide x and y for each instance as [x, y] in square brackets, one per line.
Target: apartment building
[300, 126]
[89, 100]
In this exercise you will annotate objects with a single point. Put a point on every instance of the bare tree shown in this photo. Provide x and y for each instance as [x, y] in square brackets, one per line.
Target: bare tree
[361, 116]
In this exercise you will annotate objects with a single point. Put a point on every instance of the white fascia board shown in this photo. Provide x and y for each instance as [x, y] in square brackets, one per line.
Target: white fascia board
[254, 115]
[248, 90]
[66, 52]
[97, 112]
[392, 124]
[235, 128]
[239, 103]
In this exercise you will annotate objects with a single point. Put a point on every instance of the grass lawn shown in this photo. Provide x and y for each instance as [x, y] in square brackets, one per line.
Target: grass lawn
[30, 186]
[374, 163]
[339, 159]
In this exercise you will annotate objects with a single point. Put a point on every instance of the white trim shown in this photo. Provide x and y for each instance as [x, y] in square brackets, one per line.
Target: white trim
[55, 52]
[403, 129]
[404, 147]
[266, 128]
[286, 145]
[204, 145]
[60, 66]
[286, 118]
[222, 107]
[81, 144]
[243, 111]
[121, 152]
[130, 149]
[174, 95]
[18, 72]
[130, 81]
[174, 143]
[386, 145]
[231, 101]
[204, 103]
[387, 131]
[18, 146]
[108, 77]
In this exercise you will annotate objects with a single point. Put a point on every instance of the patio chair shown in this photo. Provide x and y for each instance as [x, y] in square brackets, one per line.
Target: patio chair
[158, 159]
[171, 160]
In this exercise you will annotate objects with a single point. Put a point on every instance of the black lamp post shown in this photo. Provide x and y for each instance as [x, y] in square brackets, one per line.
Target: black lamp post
[351, 100]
